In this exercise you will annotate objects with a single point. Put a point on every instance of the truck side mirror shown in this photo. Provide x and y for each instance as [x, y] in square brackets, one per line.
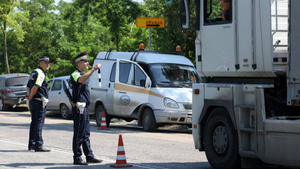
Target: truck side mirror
[148, 82]
[185, 14]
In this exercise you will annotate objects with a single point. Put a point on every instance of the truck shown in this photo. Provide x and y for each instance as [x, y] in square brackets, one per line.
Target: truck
[246, 109]
[151, 87]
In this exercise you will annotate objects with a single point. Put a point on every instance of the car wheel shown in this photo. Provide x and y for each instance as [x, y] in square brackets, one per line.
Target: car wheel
[65, 112]
[221, 141]
[149, 123]
[98, 116]
[5, 107]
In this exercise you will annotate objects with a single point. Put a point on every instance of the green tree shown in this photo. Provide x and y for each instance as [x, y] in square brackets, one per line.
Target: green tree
[116, 15]
[11, 20]
[166, 39]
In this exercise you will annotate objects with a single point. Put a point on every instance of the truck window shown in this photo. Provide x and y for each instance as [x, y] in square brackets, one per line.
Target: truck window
[217, 12]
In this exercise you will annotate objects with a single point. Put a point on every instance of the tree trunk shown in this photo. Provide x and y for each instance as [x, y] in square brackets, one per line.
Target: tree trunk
[117, 41]
[5, 50]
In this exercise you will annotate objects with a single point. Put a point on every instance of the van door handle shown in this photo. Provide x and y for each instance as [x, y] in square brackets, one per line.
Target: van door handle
[122, 92]
[108, 84]
[58, 92]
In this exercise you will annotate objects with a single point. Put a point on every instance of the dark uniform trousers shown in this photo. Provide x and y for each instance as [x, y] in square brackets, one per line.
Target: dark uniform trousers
[81, 134]
[38, 114]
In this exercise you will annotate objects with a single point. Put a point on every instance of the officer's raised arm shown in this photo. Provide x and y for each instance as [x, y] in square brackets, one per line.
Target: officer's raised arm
[87, 75]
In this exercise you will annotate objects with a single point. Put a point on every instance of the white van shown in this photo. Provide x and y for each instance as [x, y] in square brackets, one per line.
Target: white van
[154, 88]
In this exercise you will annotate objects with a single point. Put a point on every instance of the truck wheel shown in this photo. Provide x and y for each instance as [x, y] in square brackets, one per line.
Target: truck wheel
[221, 141]
[65, 112]
[98, 116]
[149, 123]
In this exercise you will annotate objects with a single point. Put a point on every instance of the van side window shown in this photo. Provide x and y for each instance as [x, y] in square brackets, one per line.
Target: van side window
[125, 68]
[139, 77]
[113, 73]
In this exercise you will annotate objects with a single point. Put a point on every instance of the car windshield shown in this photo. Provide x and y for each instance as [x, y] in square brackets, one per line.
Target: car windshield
[173, 75]
[16, 81]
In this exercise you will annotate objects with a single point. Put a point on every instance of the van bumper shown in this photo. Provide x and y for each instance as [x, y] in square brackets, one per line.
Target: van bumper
[173, 117]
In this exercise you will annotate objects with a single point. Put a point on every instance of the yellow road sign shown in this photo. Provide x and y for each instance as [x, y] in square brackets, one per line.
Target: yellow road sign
[150, 22]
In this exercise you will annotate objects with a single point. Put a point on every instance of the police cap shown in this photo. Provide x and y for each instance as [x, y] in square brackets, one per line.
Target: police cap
[81, 57]
[44, 58]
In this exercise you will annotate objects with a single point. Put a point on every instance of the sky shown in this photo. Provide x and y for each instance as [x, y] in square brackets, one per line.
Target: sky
[56, 1]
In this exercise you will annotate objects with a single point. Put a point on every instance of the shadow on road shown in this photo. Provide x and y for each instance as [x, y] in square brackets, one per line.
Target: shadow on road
[24, 165]
[203, 165]
[116, 126]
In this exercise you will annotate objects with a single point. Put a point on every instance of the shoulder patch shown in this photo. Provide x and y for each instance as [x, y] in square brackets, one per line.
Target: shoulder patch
[40, 77]
[76, 75]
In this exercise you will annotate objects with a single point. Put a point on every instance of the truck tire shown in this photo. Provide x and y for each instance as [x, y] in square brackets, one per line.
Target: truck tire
[98, 116]
[149, 123]
[65, 112]
[221, 141]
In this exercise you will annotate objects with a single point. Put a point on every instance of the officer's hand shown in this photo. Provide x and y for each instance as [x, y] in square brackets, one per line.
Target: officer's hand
[28, 97]
[97, 66]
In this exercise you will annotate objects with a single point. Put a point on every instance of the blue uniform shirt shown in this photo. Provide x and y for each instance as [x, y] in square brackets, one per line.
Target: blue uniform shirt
[38, 78]
[82, 88]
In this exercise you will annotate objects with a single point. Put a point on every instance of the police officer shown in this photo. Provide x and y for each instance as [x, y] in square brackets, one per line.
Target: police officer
[38, 97]
[81, 96]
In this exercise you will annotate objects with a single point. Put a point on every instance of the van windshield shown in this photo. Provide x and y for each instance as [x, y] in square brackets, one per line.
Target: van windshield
[173, 75]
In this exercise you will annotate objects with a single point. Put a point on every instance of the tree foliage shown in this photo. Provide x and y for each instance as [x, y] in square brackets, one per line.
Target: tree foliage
[63, 30]
[11, 21]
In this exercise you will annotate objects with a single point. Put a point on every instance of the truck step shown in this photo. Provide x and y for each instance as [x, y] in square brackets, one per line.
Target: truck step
[248, 153]
[245, 106]
[247, 129]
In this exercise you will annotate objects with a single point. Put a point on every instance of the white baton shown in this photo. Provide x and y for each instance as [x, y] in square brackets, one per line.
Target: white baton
[99, 77]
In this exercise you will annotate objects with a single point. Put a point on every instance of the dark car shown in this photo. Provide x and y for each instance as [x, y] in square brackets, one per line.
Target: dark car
[13, 89]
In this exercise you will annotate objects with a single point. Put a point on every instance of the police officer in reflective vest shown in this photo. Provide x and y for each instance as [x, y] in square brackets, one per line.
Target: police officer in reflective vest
[37, 94]
[81, 96]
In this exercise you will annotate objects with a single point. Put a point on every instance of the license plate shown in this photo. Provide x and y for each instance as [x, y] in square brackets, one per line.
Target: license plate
[189, 120]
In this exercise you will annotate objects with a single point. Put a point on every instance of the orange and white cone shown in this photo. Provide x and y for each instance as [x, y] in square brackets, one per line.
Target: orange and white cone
[103, 122]
[121, 158]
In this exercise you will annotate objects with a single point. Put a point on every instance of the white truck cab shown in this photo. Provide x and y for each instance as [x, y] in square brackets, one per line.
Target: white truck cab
[246, 111]
[154, 88]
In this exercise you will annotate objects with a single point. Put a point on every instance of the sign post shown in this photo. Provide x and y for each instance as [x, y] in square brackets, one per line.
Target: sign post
[150, 23]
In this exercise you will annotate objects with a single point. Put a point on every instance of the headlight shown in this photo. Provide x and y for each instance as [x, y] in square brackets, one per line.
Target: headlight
[170, 103]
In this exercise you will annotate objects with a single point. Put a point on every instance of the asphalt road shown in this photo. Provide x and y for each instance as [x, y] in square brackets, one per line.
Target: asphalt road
[168, 148]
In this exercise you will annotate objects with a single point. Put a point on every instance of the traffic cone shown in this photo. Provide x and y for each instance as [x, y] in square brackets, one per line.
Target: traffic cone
[103, 122]
[121, 158]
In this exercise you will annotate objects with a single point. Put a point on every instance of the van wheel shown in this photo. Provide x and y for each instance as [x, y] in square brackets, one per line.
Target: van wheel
[65, 112]
[98, 116]
[221, 141]
[149, 123]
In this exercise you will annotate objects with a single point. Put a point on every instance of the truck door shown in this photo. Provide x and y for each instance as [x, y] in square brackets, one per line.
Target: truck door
[130, 90]
[218, 37]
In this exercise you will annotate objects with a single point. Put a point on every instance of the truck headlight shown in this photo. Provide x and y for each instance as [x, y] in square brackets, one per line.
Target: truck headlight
[171, 103]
